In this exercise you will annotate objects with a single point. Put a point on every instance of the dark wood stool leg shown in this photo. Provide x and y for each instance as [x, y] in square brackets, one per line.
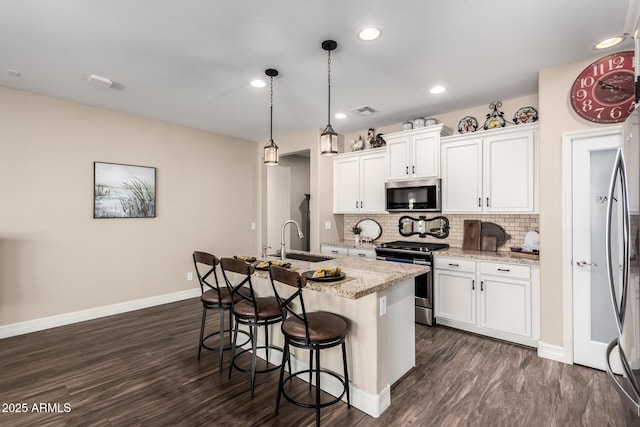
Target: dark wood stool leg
[285, 357]
[233, 348]
[346, 373]
[204, 318]
[266, 339]
[254, 343]
[317, 388]
[221, 341]
[310, 366]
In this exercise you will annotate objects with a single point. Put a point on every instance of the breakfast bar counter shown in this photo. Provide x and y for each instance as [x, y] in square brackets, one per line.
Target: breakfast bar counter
[377, 300]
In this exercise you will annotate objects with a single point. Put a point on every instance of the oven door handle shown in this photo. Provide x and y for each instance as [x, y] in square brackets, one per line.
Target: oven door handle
[402, 260]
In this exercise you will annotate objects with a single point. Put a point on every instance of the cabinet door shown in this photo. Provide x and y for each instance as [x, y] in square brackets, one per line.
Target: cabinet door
[426, 156]
[362, 253]
[372, 192]
[346, 185]
[455, 296]
[398, 158]
[462, 176]
[509, 173]
[334, 250]
[505, 305]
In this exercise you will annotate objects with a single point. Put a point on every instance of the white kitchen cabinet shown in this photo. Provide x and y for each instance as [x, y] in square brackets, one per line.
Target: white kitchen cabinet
[352, 252]
[491, 172]
[362, 253]
[334, 250]
[413, 154]
[500, 300]
[455, 296]
[358, 182]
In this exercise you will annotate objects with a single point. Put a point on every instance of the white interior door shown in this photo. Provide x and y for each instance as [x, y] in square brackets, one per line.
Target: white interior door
[278, 204]
[594, 324]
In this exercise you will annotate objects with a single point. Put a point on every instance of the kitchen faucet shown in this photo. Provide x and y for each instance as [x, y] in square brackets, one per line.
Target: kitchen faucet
[264, 251]
[283, 254]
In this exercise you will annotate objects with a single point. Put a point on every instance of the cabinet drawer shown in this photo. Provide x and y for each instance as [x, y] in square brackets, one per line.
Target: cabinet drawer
[455, 264]
[333, 250]
[514, 271]
[363, 253]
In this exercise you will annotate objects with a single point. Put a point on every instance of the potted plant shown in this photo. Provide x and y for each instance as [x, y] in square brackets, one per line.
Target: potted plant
[356, 230]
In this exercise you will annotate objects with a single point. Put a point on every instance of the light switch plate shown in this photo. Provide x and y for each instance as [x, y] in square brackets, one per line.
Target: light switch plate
[383, 306]
[327, 225]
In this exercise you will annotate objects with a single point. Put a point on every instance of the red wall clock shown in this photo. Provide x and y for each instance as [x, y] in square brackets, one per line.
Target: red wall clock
[604, 91]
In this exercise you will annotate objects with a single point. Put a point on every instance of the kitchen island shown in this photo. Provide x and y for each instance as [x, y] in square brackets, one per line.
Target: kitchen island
[377, 300]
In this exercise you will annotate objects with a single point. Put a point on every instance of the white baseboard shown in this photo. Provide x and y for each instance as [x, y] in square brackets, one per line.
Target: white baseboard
[552, 352]
[43, 323]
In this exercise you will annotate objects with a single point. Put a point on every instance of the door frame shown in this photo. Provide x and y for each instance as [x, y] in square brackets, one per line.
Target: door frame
[568, 138]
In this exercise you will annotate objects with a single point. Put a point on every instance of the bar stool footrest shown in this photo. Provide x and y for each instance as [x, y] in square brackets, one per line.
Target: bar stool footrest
[337, 399]
[258, 371]
[204, 345]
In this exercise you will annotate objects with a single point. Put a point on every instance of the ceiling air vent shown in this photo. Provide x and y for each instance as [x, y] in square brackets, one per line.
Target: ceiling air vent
[364, 110]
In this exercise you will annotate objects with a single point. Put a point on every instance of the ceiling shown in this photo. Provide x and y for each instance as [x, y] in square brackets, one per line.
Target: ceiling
[190, 62]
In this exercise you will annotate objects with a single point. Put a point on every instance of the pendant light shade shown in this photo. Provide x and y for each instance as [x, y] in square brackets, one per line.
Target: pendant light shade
[271, 149]
[328, 137]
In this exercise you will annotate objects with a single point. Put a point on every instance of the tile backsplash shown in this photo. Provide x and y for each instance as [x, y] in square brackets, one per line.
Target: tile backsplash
[515, 225]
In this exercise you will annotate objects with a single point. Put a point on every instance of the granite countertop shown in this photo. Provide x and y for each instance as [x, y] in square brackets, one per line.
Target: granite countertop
[350, 244]
[369, 276]
[501, 256]
[485, 256]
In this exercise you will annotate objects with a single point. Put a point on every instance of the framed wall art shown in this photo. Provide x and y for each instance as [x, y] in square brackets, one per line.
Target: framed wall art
[123, 191]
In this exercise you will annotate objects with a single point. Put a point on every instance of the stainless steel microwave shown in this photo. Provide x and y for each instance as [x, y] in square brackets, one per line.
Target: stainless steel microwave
[417, 195]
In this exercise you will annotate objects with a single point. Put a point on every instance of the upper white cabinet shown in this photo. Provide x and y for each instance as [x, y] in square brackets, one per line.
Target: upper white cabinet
[358, 182]
[414, 154]
[492, 172]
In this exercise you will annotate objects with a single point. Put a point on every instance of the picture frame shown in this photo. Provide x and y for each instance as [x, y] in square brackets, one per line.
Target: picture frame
[123, 191]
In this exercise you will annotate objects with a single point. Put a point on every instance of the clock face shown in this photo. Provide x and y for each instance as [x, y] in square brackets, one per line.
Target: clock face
[604, 92]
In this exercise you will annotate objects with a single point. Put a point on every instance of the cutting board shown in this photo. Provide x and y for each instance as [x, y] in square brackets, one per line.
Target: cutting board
[471, 234]
[489, 243]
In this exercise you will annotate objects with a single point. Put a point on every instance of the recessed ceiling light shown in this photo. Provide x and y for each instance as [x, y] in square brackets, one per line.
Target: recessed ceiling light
[258, 83]
[437, 89]
[340, 115]
[369, 33]
[609, 42]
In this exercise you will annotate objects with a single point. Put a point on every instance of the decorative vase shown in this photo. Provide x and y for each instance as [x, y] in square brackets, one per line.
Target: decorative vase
[357, 239]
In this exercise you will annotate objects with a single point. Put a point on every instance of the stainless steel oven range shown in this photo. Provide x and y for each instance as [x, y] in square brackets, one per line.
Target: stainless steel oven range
[415, 253]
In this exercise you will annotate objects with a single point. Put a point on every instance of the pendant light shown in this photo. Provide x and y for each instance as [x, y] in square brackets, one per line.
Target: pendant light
[328, 137]
[271, 149]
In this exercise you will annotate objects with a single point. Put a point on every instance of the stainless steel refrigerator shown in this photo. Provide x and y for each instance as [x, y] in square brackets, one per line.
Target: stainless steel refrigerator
[622, 251]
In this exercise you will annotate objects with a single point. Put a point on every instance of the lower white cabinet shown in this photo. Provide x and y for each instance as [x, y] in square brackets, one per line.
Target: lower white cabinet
[353, 252]
[500, 300]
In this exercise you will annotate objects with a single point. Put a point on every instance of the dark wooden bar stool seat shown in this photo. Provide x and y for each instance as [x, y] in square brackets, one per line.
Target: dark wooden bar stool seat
[213, 298]
[314, 331]
[254, 312]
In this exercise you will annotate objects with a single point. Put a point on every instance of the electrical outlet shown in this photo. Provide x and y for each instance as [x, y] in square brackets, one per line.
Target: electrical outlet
[189, 276]
[383, 306]
[327, 225]
[253, 225]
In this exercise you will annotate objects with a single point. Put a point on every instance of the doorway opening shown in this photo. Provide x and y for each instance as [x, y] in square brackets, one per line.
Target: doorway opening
[288, 197]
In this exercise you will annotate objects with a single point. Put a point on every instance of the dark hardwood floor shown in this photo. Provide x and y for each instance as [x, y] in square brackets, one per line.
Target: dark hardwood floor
[140, 368]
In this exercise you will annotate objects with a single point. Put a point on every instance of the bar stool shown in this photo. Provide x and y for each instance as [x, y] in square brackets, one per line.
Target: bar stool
[252, 311]
[213, 298]
[314, 331]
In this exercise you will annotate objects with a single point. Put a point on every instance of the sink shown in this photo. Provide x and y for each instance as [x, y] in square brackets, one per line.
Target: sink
[306, 257]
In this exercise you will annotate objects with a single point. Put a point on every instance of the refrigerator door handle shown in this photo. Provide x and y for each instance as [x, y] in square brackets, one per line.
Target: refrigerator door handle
[619, 172]
[628, 400]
